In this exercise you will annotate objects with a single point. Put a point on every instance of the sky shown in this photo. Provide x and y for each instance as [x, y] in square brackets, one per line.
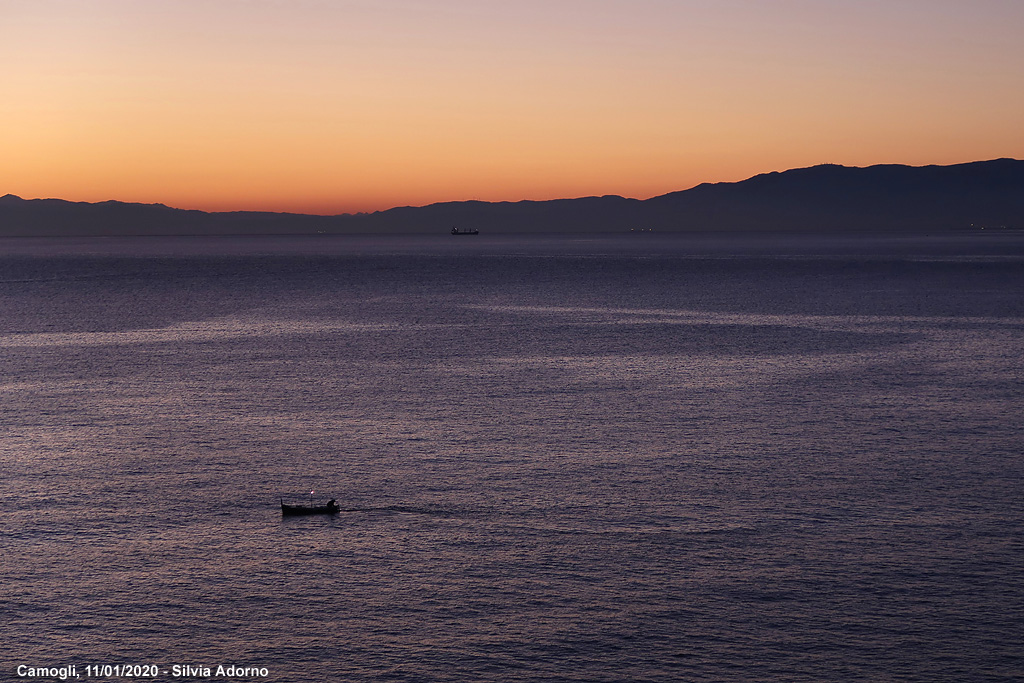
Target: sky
[340, 106]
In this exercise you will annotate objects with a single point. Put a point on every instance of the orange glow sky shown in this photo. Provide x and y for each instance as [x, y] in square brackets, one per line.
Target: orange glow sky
[331, 106]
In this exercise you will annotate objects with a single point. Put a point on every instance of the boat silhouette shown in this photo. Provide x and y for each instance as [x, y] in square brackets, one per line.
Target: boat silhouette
[330, 508]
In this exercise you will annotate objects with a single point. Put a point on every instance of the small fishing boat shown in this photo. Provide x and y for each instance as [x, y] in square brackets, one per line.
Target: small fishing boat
[330, 508]
[471, 231]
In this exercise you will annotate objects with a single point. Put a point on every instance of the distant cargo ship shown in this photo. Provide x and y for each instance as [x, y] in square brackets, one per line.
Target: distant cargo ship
[471, 231]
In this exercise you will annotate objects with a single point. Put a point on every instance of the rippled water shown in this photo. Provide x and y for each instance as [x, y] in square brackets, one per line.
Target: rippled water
[605, 459]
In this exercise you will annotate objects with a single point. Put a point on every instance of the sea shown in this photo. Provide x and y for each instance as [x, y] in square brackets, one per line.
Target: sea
[630, 457]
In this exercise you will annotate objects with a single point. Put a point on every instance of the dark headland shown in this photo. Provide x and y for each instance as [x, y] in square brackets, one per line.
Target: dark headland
[826, 198]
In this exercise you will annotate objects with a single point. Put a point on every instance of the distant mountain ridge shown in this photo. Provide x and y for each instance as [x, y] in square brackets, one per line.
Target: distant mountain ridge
[824, 198]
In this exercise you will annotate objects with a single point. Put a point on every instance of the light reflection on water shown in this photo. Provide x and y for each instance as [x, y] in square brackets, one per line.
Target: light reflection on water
[555, 461]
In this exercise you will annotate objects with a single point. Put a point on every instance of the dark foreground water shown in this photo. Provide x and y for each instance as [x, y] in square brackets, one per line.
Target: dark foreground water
[609, 459]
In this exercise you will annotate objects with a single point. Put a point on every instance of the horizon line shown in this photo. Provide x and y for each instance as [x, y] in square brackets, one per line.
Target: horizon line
[481, 201]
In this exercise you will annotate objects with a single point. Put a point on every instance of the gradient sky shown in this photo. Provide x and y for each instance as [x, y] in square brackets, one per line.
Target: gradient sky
[357, 105]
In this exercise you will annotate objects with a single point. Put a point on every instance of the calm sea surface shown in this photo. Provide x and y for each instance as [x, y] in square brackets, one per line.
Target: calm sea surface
[558, 459]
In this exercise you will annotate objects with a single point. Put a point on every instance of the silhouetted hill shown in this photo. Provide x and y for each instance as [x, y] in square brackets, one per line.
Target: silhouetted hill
[42, 217]
[830, 197]
[821, 198]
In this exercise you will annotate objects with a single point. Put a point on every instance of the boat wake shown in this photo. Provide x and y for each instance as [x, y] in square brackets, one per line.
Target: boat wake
[403, 509]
